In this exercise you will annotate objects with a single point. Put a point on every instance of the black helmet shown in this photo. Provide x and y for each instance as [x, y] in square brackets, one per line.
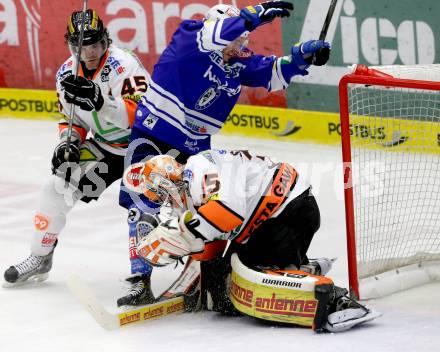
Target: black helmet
[94, 30]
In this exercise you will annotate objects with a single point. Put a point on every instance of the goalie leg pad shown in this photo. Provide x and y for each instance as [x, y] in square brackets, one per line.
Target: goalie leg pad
[285, 296]
[295, 297]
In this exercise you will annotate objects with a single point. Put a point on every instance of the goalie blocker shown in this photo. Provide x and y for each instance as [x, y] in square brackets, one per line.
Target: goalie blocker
[294, 297]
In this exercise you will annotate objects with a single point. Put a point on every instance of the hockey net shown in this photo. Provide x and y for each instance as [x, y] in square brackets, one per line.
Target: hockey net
[390, 129]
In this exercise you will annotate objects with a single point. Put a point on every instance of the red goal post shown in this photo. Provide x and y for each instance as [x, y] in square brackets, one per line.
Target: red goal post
[390, 131]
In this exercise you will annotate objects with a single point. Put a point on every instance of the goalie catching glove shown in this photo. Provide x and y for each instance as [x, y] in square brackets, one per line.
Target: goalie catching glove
[82, 92]
[170, 241]
[265, 12]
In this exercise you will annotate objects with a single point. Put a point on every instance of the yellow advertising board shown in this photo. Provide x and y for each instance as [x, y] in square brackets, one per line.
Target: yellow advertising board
[29, 104]
[282, 124]
[394, 134]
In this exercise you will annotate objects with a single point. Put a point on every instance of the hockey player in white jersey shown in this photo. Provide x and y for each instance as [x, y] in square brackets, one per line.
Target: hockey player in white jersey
[197, 82]
[105, 95]
[268, 213]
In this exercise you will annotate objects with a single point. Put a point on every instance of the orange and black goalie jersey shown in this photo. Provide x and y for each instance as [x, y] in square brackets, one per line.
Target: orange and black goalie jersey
[233, 193]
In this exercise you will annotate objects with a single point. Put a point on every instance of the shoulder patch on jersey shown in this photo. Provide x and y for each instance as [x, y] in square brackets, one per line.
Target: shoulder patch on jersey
[116, 64]
[65, 69]
[150, 121]
[105, 73]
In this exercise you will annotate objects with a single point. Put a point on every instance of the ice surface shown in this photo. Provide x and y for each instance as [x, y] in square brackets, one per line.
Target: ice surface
[46, 317]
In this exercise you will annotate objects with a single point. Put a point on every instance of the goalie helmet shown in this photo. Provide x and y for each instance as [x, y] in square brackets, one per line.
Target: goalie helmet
[163, 180]
[94, 29]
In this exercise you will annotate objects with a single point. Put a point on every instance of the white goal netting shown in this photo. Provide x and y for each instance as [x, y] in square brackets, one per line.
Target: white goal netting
[395, 154]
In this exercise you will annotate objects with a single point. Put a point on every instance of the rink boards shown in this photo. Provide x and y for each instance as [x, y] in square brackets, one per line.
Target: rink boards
[268, 123]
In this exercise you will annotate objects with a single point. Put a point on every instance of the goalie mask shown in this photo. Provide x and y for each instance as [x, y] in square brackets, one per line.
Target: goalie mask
[163, 180]
[96, 39]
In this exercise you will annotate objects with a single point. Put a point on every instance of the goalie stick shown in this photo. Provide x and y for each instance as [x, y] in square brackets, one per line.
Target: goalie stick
[181, 296]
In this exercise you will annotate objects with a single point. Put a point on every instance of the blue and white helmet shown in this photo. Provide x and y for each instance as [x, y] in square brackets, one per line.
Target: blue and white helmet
[222, 11]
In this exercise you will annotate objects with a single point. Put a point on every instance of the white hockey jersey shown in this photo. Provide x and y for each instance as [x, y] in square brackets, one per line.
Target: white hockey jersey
[233, 193]
[122, 79]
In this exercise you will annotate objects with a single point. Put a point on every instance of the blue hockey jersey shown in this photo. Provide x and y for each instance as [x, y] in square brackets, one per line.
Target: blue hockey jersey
[192, 90]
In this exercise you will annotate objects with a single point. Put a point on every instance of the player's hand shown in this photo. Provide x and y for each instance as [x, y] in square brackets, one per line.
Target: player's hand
[312, 52]
[265, 12]
[58, 157]
[82, 92]
[168, 242]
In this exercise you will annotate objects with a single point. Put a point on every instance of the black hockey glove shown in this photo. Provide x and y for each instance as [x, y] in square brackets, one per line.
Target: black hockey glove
[265, 12]
[58, 157]
[82, 92]
[312, 52]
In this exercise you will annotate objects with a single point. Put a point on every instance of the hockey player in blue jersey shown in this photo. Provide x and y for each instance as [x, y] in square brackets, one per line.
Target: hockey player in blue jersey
[194, 86]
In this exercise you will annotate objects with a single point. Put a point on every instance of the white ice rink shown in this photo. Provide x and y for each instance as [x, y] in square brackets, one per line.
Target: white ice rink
[46, 317]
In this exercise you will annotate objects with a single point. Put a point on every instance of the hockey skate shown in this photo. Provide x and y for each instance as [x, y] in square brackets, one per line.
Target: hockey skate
[346, 313]
[33, 268]
[140, 292]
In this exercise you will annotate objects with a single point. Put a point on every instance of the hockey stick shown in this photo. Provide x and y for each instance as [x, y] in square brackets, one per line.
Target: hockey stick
[72, 106]
[324, 30]
[181, 296]
[328, 19]
[112, 321]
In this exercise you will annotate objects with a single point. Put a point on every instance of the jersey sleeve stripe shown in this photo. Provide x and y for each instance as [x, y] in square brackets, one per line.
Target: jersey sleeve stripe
[216, 36]
[220, 216]
[277, 81]
[200, 42]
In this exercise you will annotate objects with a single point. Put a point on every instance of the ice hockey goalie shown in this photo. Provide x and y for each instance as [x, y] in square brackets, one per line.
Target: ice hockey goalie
[268, 215]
